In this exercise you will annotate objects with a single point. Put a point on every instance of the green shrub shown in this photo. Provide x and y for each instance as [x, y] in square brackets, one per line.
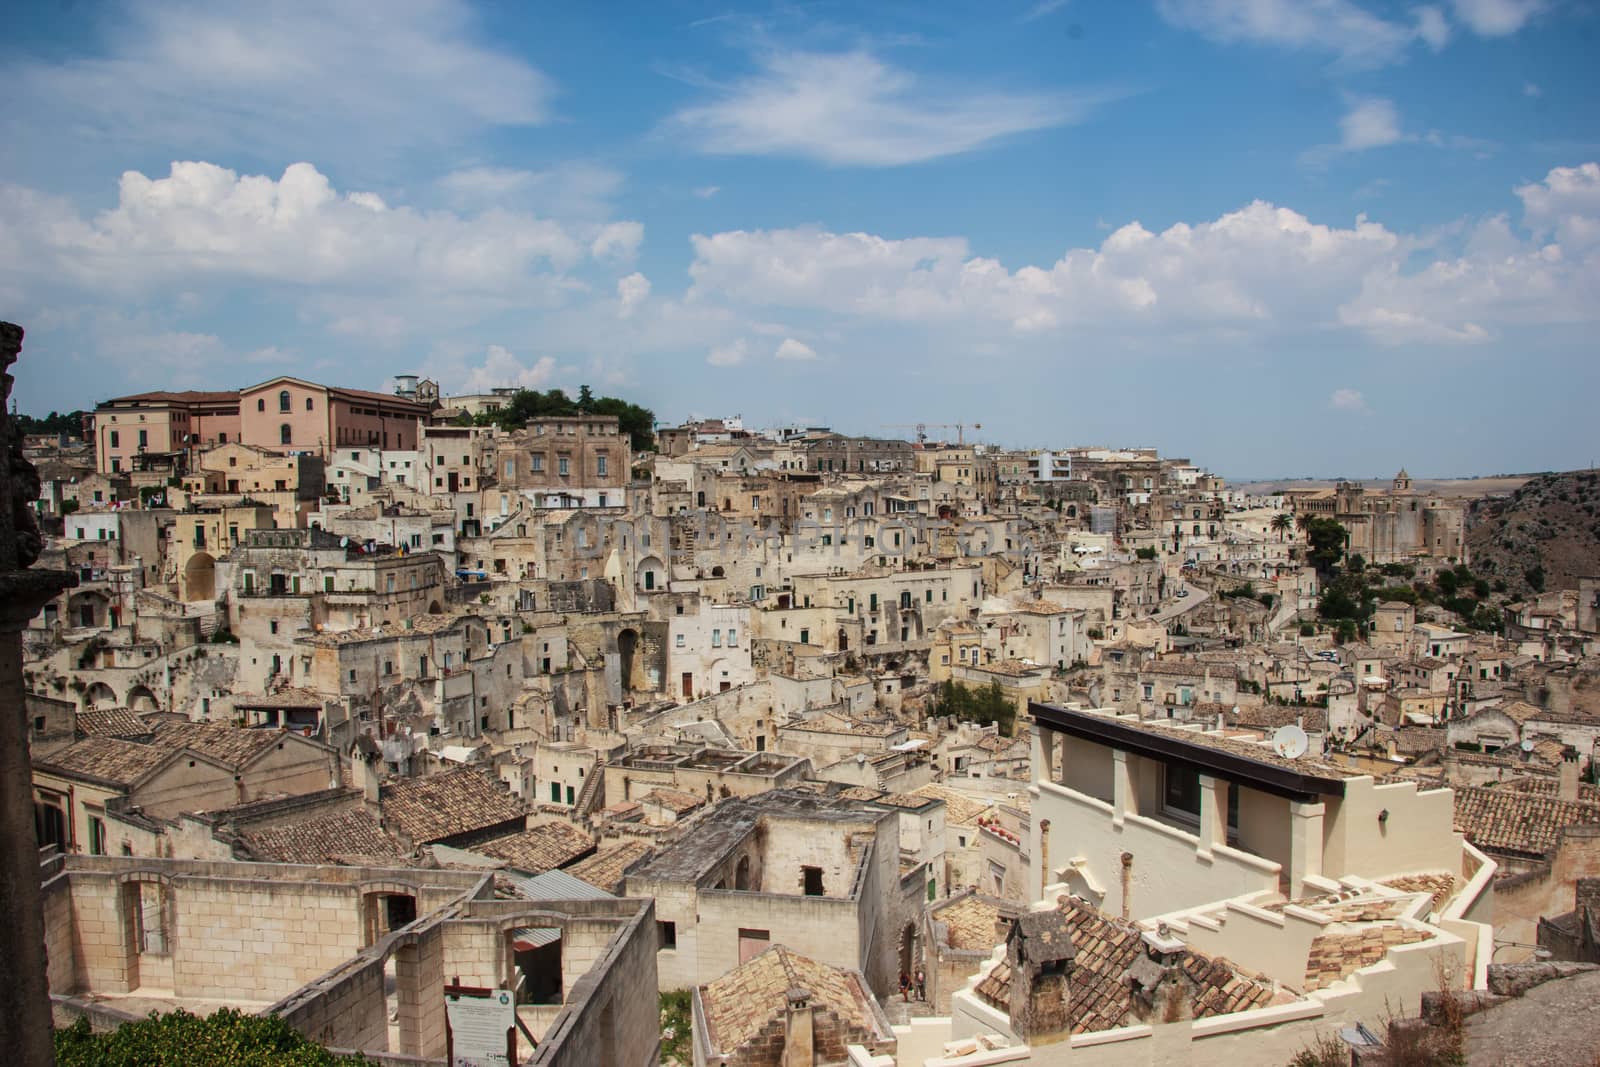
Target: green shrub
[226, 1038]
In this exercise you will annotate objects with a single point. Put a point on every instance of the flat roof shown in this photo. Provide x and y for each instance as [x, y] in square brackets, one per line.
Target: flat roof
[1238, 761]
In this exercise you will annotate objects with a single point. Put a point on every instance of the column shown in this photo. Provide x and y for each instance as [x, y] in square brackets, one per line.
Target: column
[1305, 844]
[1122, 791]
[1045, 746]
[1213, 814]
[24, 984]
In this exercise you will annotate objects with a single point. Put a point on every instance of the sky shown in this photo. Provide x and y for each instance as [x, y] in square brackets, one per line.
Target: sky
[1281, 238]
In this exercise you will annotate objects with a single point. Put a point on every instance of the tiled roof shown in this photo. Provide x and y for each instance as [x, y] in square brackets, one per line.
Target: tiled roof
[1516, 820]
[829, 723]
[233, 745]
[351, 834]
[674, 800]
[539, 848]
[1439, 885]
[448, 803]
[184, 396]
[1272, 716]
[1099, 996]
[958, 807]
[112, 722]
[605, 869]
[106, 758]
[1337, 956]
[1189, 668]
[1549, 787]
[740, 1005]
[970, 920]
[282, 698]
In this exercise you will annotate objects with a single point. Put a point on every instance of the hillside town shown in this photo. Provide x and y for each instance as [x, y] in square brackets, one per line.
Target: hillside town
[721, 744]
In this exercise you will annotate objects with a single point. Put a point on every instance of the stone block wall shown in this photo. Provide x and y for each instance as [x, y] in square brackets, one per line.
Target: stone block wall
[345, 1009]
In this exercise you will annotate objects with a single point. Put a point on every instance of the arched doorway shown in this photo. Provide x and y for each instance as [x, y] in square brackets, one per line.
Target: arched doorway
[627, 650]
[199, 577]
[910, 956]
[741, 874]
[141, 699]
[98, 696]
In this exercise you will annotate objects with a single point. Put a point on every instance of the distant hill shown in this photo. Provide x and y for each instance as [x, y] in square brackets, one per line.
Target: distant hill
[1547, 529]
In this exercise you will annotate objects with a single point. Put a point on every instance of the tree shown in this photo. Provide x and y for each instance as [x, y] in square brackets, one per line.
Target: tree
[1327, 539]
[1281, 522]
[1535, 577]
[224, 1037]
[1145, 553]
[585, 399]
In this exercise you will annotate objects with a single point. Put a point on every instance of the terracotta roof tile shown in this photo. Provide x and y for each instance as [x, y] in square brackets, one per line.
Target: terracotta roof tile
[233, 745]
[1517, 820]
[1336, 956]
[112, 722]
[354, 834]
[446, 804]
[109, 759]
[539, 848]
[741, 1004]
[970, 920]
[606, 868]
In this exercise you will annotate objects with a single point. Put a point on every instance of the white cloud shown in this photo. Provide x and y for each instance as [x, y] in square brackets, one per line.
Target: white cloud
[617, 241]
[1345, 29]
[1262, 271]
[204, 224]
[853, 109]
[1497, 18]
[729, 355]
[791, 349]
[1348, 400]
[1532, 90]
[501, 368]
[219, 76]
[573, 190]
[706, 192]
[1566, 204]
[1433, 27]
[631, 292]
[1371, 122]
[1043, 8]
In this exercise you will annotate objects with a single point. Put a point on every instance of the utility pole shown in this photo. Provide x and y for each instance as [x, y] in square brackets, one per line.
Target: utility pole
[25, 1016]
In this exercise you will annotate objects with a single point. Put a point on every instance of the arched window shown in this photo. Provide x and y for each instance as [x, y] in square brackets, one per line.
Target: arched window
[285, 436]
[283, 400]
[308, 404]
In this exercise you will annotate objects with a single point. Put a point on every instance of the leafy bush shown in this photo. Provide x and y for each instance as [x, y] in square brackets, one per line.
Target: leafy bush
[985, 705]
[677, 1027]
[226, 1038]
[1145, 553]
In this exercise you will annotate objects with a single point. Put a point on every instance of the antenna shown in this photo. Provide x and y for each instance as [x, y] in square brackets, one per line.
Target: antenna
[1290, 741]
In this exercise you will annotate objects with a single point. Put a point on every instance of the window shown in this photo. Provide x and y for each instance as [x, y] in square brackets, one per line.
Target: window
[678, 641]
[563, 465]
[97, 836]
[716, 638]
[537, 459]
[666, 934]
[261, 404]
[805, 637]
[1181, 796]
[283, 400]
[811, 881]
[144, 438]
[285, 434]
[733, 637]
[600, 465]
[555, 792]
[308, 404]
[115, 439]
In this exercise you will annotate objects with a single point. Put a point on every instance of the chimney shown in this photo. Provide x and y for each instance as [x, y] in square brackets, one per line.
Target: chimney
[799, 1043]
[1568, 789]
[371, 780]
[1587, 897]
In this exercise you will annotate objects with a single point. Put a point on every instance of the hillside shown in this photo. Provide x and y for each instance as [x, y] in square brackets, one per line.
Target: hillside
[1548, 528]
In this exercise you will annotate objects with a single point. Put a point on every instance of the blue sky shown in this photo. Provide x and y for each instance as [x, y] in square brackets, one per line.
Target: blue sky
[1321, 237]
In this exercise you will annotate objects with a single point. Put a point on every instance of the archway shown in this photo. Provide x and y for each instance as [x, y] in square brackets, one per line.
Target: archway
[741, 874]
[434, 608]
[844, 640]
[910, 958]
[141, 699]
[627, 649]
[99, 695]
[199, 577]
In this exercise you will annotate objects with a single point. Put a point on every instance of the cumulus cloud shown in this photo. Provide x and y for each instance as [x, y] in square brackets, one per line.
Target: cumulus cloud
[220, 76]
[617, 241]
[1497, 18]
[1349, 400]
[1433, 27]
[1260, 271]
[854, 109]
[729, 355]
[203, 225]
[631, 292]
[791, 349]
[501, 368]
[1370, 123]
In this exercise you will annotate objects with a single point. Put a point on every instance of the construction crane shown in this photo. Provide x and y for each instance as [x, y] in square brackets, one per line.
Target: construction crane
[922, 429]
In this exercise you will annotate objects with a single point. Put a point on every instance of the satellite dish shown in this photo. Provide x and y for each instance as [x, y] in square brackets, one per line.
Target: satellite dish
[344, 542]
[1290, 741]
[1527, 744]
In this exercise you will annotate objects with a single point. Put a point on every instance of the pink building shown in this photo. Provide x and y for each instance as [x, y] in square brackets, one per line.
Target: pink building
[291, 414]
[161, 423]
